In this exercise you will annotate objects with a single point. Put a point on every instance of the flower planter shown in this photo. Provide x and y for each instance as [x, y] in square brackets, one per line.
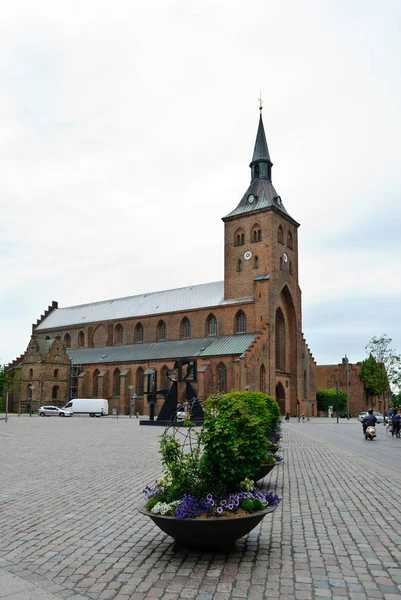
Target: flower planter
[208, 532]
[273, 449]
[264, 470]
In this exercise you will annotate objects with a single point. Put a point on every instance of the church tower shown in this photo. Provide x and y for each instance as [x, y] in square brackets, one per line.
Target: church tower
[261, 264]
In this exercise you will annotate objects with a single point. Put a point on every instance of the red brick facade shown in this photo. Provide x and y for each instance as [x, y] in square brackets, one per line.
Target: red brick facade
[359, 400]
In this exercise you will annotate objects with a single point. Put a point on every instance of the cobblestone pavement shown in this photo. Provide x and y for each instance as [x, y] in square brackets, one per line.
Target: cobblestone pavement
[69, 527]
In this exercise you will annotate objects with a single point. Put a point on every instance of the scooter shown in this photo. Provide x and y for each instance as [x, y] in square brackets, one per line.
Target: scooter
[370, 433]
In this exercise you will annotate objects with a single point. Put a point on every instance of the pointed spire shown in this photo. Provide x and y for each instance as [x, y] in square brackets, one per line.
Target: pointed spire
[261, 164]
[261, 151]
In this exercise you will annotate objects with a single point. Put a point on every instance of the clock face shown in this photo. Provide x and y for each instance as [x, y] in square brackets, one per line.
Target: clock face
[251, 199]
[248, 255]
[285, 256]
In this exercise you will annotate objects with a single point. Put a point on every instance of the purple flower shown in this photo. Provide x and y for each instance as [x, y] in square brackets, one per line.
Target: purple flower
[219, 510]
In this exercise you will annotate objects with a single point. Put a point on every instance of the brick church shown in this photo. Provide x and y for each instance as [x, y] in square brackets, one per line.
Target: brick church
[245, 331]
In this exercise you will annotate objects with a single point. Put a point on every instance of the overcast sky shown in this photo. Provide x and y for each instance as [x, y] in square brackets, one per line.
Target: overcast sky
[127, 129]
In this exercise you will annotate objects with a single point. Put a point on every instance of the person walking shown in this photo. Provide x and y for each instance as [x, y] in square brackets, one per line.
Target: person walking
[397, 423]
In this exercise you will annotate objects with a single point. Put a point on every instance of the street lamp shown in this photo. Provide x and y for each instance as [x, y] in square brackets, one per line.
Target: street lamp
[31, 387]
[130, 387]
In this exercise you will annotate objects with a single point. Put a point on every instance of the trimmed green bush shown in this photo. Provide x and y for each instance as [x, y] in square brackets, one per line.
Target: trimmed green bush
[235, 436]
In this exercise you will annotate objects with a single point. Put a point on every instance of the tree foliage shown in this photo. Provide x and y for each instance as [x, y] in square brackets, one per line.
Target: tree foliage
[380, 349]
[373, 376]
[326, 398]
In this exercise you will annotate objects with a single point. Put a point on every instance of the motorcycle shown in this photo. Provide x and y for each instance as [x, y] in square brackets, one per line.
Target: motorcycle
[370, 433]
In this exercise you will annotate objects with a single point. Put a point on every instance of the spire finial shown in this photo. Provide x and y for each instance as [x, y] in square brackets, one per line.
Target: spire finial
[260, 101]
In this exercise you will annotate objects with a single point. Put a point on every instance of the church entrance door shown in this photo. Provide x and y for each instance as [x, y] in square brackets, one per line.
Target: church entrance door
[280, 397]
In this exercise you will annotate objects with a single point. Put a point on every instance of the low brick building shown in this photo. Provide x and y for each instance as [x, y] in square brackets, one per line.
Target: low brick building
[359, 399]
[244, 331]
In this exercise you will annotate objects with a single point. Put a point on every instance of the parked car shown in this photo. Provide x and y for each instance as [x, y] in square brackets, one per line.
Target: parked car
[379, 416]
[54, 411]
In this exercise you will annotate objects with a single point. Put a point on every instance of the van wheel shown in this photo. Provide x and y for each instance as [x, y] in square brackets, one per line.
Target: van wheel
[91, 414]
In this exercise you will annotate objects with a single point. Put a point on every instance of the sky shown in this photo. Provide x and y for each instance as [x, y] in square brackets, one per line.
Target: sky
[127, 129]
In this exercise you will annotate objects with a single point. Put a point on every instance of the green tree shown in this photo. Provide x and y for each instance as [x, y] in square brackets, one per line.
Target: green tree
[326, 398]
[373, 376]
[389, 362]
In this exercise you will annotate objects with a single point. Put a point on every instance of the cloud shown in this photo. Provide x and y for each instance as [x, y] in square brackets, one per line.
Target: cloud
[127, 131]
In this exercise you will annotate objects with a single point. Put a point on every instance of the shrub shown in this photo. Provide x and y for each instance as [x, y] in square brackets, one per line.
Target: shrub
[235, 437]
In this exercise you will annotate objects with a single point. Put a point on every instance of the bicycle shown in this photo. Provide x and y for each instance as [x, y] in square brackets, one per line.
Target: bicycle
[390, 431]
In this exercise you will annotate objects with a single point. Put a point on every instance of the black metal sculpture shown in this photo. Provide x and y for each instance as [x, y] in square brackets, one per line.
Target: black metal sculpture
[184, 371]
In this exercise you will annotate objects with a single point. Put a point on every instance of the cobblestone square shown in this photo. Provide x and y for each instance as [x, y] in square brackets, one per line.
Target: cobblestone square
[69, 526]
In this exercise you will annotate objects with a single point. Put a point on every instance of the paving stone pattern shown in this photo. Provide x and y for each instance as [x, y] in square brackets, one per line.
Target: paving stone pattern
[69, 527]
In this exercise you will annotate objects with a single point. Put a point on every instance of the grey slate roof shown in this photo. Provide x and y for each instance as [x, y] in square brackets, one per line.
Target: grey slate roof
[192, 348]
[261, 151]
[266, 197]
[177, 300]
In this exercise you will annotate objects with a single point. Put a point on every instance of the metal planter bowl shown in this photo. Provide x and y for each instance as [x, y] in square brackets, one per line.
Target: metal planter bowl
[264, 470]
[211, 532]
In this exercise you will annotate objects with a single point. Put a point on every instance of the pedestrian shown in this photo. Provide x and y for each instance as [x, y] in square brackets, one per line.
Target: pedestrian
[390, 415]
[303, 417]
[287, 416]
[102, 412]
[397, 423]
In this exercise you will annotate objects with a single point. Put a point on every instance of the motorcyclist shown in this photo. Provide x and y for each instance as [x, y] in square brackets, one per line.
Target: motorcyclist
[369, 420]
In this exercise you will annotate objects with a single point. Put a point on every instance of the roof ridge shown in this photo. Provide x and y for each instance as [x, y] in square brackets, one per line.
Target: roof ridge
[196, 285]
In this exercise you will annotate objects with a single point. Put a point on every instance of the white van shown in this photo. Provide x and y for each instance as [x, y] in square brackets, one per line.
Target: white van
[88, 406]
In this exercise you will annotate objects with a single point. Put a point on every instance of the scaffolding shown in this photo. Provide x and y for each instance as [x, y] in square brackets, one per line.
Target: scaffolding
[75, 370]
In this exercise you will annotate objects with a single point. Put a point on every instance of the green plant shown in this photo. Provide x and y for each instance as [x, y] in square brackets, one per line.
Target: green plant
[235, 436]
[180, 468]
[326, 398]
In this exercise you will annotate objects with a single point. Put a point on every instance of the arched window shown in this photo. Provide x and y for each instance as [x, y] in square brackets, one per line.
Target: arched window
[138, 333]
[221, 378]
[211, 325]
[239, 265]
[161, 331]
[239, 237]
[281, 263]
[55, 392]
[116, 382]
[95, 384]
[164, 379]
[118, 334]
[262, 379]
[256, 171]
[256, 233]
[240, 322]
[81, 339]
[55, 373]
[67, 340]
[185, 328]
[289, 240]
[280, 340]
[47, 337]
[139, 382]
[256, 262]
[280, 234]
[30, 373]
[290, 268]
[100, 337]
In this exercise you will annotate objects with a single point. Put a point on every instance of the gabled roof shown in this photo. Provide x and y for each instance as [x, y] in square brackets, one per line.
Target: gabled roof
[177, 300]
[227, 345]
